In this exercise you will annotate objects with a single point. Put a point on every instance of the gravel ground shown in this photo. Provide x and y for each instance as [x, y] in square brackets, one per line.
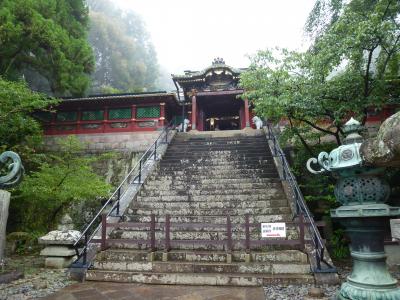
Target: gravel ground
[297, 292]
[37, 282]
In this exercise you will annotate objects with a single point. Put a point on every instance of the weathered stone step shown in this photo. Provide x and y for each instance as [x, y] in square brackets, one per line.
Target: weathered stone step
[124, 255]
[268, 206]
[228, 167]
[234, 197]
[218, 178]
[221, 219]
[194, 211]
[153, 191]
[197, 245]
[219, 150]
[189, 236]
[166, 179]
[205, 267]
[206, 165]
[227, 157]
[195, 189]
[214, 279]
[219, 172]
[214, 161]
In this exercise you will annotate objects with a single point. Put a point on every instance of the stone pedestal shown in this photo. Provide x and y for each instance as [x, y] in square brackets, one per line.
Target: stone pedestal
[4, 204]
[59, 251]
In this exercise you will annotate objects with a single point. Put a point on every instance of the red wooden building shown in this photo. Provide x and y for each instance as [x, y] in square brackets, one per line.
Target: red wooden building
[210, 101]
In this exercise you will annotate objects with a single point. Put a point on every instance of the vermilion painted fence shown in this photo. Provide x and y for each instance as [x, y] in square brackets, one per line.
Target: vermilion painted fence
[168, 243]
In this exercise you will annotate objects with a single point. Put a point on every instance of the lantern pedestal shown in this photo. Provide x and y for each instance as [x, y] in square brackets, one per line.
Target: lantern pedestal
[370, 278]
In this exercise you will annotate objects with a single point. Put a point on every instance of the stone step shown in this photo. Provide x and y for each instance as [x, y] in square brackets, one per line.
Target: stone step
[212, 211]
[219, 172]
[227, 166]
[221, 157]
[206, 198]
[194, 188]
[215, 162]
[159, 180]
[216, 151]
[205, 267]
[205, 206]
[189, 236]
[154, 202]
[217, 219]
[218, 178]
[198, 192]
[125, 255]
[214, 279]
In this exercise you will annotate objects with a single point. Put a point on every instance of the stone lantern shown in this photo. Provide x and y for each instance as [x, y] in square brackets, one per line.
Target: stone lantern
[362, 192]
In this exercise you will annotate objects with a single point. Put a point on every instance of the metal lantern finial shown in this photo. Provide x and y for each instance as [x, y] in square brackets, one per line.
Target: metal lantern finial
[15, 169]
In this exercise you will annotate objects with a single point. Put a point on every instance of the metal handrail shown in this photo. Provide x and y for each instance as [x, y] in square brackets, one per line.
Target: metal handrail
[301, 206]
[132, 177]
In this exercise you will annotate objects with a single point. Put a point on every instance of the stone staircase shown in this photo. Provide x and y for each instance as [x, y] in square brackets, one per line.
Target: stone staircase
[202, 179]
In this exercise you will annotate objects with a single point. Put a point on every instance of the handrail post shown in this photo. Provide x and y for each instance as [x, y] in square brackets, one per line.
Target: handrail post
[155, 150]
[301, 227]
[283, 167]
[229, 233]
[247, 230]
[167, 245]
[140, 171]
[153, 232]
[85, 249]
[103, 232]
[317, 254]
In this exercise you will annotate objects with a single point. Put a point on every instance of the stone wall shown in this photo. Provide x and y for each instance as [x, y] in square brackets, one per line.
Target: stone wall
[126, 149]
[106, 142]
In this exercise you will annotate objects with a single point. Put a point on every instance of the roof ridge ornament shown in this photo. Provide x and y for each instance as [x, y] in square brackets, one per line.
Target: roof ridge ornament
[218, 61]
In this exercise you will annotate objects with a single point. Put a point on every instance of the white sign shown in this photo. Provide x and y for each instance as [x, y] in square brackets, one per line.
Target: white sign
[273, 230]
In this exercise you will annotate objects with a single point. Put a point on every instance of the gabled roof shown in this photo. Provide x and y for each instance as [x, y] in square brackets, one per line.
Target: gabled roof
[217, 65]
[121, 96]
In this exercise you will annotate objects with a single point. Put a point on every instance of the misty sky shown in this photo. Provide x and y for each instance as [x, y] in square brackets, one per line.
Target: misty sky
[188, 34]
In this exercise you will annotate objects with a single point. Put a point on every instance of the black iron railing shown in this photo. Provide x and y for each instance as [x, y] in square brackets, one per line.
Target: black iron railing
[112, 206]
[300, 204]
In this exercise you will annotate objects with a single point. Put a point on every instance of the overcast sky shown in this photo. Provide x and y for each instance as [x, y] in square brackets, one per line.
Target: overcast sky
[189, 34]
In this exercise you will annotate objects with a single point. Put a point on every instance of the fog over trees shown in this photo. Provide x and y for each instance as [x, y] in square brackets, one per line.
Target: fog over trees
[125, 57]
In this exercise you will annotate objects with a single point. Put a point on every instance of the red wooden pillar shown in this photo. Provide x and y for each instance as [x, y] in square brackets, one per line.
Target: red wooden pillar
[105, 119]
[246, 113]
[133, 118]
[194, 112]
[162, 115]
[52, 127]
[78, 120]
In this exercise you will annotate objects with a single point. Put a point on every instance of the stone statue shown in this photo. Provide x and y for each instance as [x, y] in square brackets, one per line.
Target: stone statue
[258, 122]
[15, 171]
[186, 123]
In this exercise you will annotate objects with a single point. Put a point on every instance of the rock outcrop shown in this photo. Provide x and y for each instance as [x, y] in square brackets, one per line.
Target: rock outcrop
[384, 149]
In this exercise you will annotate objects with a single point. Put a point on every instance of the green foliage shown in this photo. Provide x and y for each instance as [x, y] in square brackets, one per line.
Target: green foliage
[350, 67]
[19, 131]
[125, 57]
[63, 180]
[339, 248]
[23, 242]
[46, 40]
